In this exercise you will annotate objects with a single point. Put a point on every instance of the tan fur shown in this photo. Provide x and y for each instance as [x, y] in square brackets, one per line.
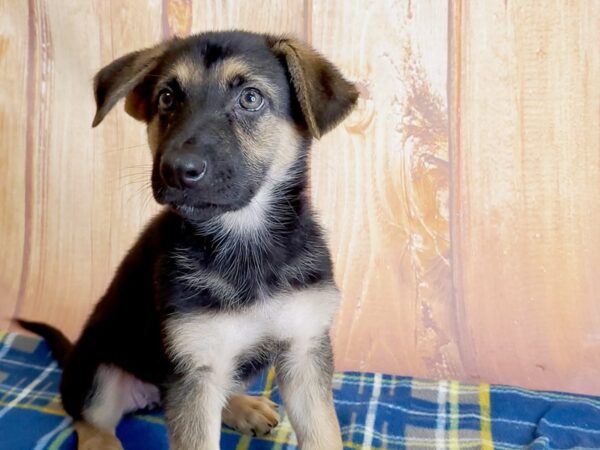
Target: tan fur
[92, 438]
[250, 415]
[135, 106]
[143, 63]
[288, 144]
[316, 81]
[275, 141]
[298, 58]
[209, 344]
[187, 72]
[152, 130]
[230, 68]
[308, 402]
[246, 414]
[193, 410]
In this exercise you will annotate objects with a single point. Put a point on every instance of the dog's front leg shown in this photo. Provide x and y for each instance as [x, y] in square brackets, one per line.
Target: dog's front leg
[304, 371]
[193, 406]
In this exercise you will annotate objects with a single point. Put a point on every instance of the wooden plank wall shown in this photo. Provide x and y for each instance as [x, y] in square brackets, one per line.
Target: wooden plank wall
[526, 191]
[462, 197]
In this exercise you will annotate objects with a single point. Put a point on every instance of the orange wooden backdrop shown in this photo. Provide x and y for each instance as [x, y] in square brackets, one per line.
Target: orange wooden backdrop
[462, 197]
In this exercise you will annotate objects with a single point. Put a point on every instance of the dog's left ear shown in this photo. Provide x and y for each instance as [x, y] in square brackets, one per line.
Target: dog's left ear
[123, 77]
[324, 95]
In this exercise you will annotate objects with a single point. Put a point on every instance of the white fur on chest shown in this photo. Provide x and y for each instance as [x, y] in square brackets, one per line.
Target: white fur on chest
[214, 340]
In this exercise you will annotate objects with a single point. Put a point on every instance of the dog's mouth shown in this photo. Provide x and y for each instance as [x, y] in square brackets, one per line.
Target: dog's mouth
[198, 210]
[197, 206]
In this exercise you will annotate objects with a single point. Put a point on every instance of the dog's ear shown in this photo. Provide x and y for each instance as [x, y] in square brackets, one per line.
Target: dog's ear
[324, 95]
[123, 77]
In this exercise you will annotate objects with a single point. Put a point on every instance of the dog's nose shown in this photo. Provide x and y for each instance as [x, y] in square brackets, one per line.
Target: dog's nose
[182, 171]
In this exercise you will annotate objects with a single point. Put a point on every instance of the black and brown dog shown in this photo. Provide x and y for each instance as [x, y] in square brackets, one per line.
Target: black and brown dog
[234, 274]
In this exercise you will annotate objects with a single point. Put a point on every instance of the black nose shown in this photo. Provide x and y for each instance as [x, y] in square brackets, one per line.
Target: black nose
[182, 170]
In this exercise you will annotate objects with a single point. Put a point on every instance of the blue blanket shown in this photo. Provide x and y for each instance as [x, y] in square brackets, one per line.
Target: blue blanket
[375, 411]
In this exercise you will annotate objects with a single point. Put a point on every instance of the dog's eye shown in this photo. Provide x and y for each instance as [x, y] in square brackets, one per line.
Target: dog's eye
[251, 99]
[166, 99]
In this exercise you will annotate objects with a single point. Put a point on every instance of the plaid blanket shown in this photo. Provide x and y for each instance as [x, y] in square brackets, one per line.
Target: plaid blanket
[375, 411]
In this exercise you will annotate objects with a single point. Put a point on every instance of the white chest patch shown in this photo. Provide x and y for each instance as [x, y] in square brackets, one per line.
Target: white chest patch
[214, 340]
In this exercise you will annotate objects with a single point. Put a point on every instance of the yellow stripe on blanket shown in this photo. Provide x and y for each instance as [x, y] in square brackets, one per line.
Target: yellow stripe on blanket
[30, 406]
[244, 443]
[485, 421]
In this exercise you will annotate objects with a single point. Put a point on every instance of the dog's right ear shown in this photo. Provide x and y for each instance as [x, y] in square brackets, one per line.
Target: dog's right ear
[120, 78]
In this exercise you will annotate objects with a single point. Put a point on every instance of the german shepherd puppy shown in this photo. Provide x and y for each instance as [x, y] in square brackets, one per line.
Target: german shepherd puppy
[234, 275]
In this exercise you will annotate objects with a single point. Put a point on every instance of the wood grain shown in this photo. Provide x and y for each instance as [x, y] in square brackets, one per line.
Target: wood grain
[381, 185]
[527, 192]
[15, 105]
[83, 213]
[262, 16]
[461, 197]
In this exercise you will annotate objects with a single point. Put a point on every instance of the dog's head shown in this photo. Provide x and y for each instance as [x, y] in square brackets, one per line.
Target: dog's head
[228, 114]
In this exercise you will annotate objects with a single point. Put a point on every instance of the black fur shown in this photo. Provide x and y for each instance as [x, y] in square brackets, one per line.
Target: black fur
[126, 328]
[59, 344]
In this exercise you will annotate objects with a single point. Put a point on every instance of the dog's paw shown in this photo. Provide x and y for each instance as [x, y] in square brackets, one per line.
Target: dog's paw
[251, 415]
[92, 438]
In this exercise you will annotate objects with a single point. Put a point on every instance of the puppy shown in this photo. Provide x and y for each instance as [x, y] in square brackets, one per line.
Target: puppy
[234, 274]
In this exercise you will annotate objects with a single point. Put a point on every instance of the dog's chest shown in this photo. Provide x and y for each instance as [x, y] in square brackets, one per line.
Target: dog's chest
[218, 339]
[240, 274]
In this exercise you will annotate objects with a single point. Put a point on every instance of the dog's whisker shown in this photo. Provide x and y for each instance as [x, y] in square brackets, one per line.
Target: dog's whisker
[140, 192]
[132, 171]
[144, 183]
[147, 202]
[135, 166]
[140, 178]
[120, 149]
[134, 176]
[137, 173]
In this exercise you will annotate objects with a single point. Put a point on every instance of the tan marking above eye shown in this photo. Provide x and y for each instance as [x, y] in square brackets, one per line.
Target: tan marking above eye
[229, 69]
[187, 72]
